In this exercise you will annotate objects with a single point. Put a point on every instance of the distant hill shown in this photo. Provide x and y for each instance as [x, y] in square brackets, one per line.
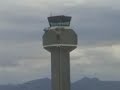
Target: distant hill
[95, 84]
[83, 84]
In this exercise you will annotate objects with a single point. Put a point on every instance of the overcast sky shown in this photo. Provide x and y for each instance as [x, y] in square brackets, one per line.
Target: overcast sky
[97, 23]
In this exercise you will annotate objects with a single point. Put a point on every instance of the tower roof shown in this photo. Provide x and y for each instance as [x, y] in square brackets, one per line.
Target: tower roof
[59, 20]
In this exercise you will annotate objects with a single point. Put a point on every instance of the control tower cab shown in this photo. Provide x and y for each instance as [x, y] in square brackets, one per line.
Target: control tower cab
[59, 34]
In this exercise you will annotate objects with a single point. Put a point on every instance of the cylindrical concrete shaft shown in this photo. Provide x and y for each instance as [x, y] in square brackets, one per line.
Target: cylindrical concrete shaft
[60, 68]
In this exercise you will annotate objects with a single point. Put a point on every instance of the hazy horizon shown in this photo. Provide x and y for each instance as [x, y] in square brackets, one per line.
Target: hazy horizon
[87, 79]
[96, 22]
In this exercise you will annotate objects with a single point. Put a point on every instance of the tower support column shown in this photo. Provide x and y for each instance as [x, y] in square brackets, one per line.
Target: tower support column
[60, 68]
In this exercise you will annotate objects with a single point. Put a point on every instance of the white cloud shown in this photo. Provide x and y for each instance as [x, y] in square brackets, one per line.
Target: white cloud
[113, 4]
[101, 62]
[116, 51]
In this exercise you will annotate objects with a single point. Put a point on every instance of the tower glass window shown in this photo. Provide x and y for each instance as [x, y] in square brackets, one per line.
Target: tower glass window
[59, 20]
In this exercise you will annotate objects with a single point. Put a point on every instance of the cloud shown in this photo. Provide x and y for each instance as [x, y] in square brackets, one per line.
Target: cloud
[94, 25]
[22, 56]
[99, 62]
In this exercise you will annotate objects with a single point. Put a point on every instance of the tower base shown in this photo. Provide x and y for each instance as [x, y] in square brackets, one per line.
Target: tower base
[60, 68]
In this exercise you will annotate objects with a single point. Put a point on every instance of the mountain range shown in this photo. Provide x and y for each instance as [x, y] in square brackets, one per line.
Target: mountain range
[83, 84]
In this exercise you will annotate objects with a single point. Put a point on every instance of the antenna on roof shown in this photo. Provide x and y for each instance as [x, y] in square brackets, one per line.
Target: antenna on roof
[51, 14]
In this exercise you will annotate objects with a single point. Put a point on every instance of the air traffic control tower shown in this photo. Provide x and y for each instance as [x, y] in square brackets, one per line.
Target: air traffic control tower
[60, 40]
